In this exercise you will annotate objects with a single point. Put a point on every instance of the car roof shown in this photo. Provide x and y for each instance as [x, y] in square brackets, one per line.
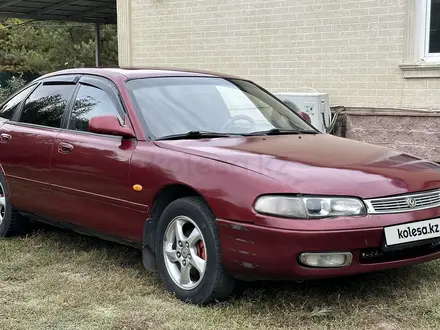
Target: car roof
[115, 73]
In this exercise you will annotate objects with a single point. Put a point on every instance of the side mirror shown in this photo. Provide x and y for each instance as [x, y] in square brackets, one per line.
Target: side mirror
[110, 125]
[305, 116]
[295, 108]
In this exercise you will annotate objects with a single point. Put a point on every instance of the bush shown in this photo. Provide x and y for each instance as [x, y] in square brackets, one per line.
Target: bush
[10, 86]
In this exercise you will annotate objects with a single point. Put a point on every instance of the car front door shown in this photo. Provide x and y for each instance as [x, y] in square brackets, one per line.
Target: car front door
[90, 172]
[27, 138]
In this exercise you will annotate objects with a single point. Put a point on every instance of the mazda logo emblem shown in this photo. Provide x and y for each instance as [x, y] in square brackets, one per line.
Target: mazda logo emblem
[411, 202]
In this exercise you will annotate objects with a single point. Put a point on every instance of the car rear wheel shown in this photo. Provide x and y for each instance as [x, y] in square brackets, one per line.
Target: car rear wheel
[11, 223]
[188, 253]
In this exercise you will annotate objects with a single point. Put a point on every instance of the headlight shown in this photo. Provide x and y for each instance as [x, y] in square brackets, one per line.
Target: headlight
[309, 207]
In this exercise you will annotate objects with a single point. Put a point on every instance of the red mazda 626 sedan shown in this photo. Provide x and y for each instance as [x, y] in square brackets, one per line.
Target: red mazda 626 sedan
[213, 177]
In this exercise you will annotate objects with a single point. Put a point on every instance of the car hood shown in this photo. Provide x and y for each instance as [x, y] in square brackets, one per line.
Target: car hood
[319, 164]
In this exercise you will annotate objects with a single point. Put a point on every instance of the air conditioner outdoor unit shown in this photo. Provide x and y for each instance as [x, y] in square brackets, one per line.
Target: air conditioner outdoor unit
[314, 103]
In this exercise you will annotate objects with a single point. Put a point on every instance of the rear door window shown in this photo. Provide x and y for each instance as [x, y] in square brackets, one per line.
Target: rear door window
[9, 108]
[46, 105]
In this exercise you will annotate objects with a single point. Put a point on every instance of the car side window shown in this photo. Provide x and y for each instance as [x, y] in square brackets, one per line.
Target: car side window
[46, 104]
[90, 102]
[8, 109]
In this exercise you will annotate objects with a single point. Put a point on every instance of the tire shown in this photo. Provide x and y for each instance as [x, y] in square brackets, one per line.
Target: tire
[11, 223]
[214, 284]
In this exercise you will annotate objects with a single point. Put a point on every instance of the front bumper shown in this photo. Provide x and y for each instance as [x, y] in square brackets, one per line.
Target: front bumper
[263, 252]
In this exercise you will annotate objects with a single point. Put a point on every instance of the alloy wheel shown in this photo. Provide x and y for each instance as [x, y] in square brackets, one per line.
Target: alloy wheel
[184, 252]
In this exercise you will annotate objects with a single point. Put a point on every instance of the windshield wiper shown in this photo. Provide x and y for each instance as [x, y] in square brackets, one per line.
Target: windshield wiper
[277, 131]
[195, 135]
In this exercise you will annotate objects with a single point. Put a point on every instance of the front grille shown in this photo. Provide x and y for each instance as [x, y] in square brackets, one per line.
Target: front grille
[373, 256]
[404, 203]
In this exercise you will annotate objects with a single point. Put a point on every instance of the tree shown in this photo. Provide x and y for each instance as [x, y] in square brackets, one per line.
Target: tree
[41, 47]
[10, 86]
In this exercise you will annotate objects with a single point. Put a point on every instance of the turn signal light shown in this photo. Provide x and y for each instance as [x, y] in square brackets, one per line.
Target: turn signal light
[137, 187]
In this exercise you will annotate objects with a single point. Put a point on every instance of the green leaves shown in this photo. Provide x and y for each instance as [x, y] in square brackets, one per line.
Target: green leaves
[42, 47]
[11, 86]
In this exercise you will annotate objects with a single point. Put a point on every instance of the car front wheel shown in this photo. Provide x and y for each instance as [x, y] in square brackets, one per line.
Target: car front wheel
[188, 253]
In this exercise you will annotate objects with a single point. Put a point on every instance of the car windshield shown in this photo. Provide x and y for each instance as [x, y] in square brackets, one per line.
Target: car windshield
[173, 106]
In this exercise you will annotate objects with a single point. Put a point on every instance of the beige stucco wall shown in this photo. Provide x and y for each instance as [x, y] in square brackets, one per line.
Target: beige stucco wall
[349, 49]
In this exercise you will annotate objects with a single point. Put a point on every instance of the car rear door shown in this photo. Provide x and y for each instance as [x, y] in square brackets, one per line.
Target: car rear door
[90, 171]
[27, 138]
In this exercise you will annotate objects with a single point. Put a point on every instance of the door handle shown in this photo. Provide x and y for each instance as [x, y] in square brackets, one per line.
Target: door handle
[5, 138]
[65, 148]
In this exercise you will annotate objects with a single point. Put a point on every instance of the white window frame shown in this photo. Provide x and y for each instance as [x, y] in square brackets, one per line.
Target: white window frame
[417, 61]
[429, 57]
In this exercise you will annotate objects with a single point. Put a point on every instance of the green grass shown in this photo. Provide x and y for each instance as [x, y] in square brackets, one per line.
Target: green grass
[61, 280]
